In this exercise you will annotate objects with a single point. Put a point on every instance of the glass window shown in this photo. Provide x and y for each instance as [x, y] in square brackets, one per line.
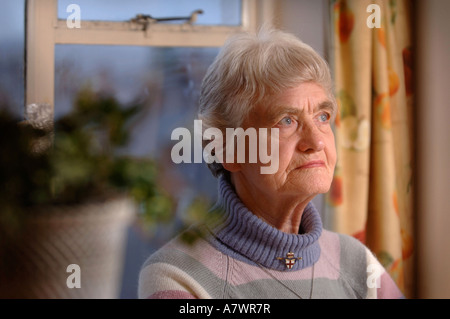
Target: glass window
[168, 79]
[12, 36]
[215, 12]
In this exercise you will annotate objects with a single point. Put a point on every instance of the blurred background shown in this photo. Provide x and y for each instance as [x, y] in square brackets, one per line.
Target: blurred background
[160, 66]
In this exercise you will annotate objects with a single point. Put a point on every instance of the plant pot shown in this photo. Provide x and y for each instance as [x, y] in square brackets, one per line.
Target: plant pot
[92, 236]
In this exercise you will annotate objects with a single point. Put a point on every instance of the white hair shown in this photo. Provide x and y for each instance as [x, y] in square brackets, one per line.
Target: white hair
[251, 68]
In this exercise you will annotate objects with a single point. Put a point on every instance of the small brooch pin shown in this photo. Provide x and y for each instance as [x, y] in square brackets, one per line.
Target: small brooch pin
[290, 260]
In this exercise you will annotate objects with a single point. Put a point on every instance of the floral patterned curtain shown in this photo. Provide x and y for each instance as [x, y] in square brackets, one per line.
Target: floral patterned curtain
[371, 194]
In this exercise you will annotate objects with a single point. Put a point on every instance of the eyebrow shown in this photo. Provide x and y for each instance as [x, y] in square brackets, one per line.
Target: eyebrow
[329, 106]
[279, 110]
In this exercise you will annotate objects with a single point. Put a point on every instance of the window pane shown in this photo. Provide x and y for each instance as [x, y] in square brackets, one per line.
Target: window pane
[12, 35]
[168, 78]
[215, 12]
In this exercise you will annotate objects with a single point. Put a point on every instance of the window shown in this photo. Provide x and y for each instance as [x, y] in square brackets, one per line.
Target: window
[110, 52]
[168, 79]
[47, 27]
[215, 12]
[12, 35]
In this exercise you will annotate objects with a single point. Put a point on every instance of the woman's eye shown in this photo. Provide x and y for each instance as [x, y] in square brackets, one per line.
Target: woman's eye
[285, 121]
[324, 117]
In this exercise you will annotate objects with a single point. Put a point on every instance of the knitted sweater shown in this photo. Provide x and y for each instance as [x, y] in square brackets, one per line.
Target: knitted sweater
[240, 256]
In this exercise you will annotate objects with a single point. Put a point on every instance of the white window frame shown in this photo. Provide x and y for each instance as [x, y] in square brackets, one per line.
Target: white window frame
[44, 30]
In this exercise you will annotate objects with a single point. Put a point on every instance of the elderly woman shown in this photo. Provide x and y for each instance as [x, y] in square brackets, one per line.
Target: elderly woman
[267, 240]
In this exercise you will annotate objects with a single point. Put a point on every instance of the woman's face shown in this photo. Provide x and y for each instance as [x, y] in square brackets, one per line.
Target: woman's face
[307, 153]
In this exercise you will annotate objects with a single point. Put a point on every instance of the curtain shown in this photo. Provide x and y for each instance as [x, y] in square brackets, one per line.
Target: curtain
[371, 194]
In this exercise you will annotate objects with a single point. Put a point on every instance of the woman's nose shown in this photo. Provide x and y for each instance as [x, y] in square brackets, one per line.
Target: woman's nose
[311, 139]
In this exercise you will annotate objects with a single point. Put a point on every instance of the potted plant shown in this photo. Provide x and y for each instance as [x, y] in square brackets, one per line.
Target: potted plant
[68, 193]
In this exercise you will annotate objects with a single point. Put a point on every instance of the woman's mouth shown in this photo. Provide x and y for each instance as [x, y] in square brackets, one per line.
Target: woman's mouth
[312, 164]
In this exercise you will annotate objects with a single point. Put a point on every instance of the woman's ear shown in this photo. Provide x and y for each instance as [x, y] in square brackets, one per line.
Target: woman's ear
[228, 158]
